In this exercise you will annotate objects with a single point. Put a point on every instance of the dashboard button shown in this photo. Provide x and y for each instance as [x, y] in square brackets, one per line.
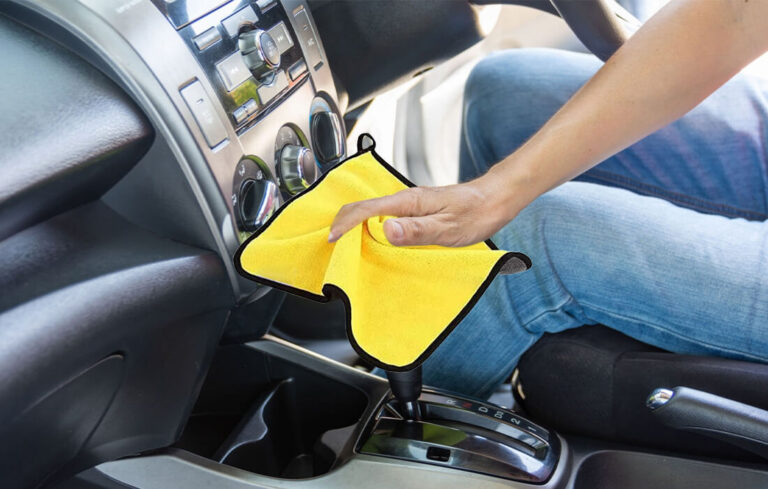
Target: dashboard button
[281, 36]
[259, 52]
[207, 38]
[243, 17]
[240, 114]
[251, 106]
[308, 39]
[204, 113]
[297, 69]
[265, 4]
[232, 71]
[270, 91]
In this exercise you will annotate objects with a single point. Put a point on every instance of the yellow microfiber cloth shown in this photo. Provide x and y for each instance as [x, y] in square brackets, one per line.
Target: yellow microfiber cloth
[401, 302]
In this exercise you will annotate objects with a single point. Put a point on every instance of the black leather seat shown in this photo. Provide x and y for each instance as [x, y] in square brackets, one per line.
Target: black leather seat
[594, 381]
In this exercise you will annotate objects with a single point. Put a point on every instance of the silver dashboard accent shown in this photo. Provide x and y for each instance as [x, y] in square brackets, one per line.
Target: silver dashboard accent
[297, 69]
[260, 201]
[259, 52]
[326, 132]
[465, 434]
[204, 113]
[308, 39]
[297, 168]
[268, 91]
[207, 38]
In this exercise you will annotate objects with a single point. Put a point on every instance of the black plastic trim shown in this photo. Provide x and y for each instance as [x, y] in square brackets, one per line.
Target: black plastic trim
[68, 133]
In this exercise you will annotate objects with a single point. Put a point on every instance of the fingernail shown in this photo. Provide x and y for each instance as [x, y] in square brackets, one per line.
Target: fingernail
[331, 237]
[396, 228]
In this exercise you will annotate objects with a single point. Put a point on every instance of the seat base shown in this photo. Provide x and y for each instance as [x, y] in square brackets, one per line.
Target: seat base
[593, 381]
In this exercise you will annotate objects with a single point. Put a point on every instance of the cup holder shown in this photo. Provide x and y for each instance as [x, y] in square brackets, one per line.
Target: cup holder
[287, 422]
[269, 441]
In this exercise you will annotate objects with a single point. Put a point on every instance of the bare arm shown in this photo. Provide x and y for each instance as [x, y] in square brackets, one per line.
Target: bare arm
[678, 58]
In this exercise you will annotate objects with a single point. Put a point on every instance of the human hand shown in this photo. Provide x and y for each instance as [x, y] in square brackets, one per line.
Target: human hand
[455, 215]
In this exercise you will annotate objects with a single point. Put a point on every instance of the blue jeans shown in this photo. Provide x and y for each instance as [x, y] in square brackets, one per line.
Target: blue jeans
[666, 242]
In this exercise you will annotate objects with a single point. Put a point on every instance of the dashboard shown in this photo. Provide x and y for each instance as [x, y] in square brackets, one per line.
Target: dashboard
[240, 93]
[257, 57]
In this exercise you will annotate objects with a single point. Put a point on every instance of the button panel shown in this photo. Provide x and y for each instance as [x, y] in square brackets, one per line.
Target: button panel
[228, 65]
[203, 111]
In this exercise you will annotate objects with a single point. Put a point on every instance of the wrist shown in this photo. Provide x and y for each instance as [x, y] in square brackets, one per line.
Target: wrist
[506, 193]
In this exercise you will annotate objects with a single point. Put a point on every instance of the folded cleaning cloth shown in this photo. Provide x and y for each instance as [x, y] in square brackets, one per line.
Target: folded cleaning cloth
[401, 302]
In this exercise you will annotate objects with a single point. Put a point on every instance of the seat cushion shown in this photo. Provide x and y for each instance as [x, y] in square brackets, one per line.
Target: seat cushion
[594, 381]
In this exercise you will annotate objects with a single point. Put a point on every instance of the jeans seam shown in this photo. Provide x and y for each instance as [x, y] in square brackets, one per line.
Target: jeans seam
[539, 316]
[663, 329]
[513, 362]
[674, 197]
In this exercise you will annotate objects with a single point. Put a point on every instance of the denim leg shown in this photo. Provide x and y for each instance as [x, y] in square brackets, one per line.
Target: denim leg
[509, 95]
[661, 273]
[712, 160]
[674, 278]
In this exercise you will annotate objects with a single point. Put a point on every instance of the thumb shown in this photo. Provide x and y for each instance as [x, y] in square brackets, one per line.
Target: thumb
[412, 231]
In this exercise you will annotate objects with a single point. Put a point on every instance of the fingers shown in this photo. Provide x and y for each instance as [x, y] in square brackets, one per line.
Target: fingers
[414, 231]
[404, 203]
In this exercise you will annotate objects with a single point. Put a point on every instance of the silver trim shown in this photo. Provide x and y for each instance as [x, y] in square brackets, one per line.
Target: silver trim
[659, 398]
[255, 53]
[297, 168]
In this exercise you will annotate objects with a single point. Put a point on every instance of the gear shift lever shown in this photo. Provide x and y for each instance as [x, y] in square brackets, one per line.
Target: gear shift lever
[406, 386]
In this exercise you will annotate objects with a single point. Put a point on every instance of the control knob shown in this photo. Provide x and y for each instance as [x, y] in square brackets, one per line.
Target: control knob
[297, 168]
[259, 51]
[255, 194]
[258, 200]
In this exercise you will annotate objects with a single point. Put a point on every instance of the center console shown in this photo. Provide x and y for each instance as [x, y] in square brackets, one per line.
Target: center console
[464, 434]
[273, 415]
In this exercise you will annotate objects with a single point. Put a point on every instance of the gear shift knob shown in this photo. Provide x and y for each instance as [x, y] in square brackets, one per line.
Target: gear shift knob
[406, 387]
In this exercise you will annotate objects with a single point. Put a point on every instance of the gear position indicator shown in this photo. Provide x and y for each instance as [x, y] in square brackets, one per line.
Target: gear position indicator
[492, 412]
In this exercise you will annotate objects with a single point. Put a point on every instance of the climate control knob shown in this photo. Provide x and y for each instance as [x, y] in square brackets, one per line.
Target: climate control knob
[258, 200]
[259, 51]
[297, 168]
[255, 194]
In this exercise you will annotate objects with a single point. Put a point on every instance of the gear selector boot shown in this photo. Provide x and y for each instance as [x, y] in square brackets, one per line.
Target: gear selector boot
[406, 387]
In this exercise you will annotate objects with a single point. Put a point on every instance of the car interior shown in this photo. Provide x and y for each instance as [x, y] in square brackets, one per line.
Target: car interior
[164, 133]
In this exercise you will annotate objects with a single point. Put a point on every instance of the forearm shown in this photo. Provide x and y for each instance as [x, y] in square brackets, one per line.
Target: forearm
[676, 60]
[671, 64]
